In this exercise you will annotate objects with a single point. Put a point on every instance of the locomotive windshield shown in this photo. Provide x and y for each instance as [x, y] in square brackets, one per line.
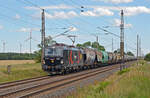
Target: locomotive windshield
[53, 52]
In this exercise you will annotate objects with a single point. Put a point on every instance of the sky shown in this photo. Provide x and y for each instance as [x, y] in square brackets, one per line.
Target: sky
[20, 17]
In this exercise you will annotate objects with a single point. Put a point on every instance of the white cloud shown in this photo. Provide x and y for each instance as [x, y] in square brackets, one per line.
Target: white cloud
[61, 6]
[1, 27]
[56, 15]
[17, 16]
[103, 12]
[24, 30]
[88, 13]
[63, 14]
[95, 11]
[28, 29]
[117, 23]
[116, 1]
[128, 11]
[98, 12]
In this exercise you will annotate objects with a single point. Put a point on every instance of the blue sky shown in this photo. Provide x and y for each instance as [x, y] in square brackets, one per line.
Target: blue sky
[19, 17]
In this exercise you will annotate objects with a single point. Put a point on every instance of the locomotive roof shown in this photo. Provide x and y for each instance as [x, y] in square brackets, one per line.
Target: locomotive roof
[65, 47]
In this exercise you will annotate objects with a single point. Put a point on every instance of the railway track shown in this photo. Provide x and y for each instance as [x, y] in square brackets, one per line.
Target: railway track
[20, 82]
[50, 86]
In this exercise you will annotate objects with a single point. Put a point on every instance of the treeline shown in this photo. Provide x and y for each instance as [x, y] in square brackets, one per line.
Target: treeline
[16, 56]
[95, 45]
[147, 57]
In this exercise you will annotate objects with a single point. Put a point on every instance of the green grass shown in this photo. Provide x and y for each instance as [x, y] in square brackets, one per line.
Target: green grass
[19, 72]
[129, 84]
[101, 86]
[123, 71]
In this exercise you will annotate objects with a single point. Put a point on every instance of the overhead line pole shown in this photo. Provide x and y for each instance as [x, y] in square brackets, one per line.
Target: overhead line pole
[4, 45]
[20, 48]
[97, 41]
[43, 37]
[112, 45]
[137, 48]
[122, 39]
[140, 47]
[30, 42]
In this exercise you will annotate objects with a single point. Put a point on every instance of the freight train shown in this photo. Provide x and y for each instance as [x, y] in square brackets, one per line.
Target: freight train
[61, 58]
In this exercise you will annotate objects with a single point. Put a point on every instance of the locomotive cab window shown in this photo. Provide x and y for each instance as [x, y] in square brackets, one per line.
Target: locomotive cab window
[53, 52]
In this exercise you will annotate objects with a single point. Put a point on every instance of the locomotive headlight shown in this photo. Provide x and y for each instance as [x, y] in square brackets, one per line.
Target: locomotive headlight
[52, 61]
[61, 61]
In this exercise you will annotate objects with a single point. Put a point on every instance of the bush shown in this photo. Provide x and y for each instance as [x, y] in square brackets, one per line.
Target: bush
[123, 71]
[16, 56]
[147, 57]
[37, 58]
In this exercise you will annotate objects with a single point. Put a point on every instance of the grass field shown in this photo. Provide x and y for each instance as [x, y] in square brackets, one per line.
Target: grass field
[20, 71]
[130, 83]
[12, 62]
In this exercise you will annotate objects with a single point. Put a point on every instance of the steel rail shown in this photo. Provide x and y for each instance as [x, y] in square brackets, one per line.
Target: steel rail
[80, 77]
[51, 83]
[20, 82]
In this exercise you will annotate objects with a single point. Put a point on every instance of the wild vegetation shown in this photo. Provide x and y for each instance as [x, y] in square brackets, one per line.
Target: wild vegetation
[128, 53]
[16, 56]
[147, 57]
[21, 71]
[92, 44]
[133, 83]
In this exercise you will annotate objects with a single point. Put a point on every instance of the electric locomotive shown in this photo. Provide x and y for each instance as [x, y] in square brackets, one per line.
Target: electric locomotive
[60, 58]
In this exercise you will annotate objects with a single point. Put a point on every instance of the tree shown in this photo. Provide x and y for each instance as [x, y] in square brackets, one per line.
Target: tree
[117, 51]
[16, 56]
[130, 53]
[96, 45]
[93, 45]
[79, 45]
[48, 41]
[87, 44]
[37, 58]
[147, 57]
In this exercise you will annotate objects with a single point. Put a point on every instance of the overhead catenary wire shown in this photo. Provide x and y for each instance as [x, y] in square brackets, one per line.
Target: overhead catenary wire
[14, 10]
[35, 5]
[68, 20]
[22, 21]
[48, 12]
[78, 10]
[26, 2]
[81, 7]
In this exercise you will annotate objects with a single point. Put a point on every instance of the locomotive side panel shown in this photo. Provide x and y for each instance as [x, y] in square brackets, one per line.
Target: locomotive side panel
[90, 57]
[104, 57]
[110, 56]
[72, 58]
[99, 56]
